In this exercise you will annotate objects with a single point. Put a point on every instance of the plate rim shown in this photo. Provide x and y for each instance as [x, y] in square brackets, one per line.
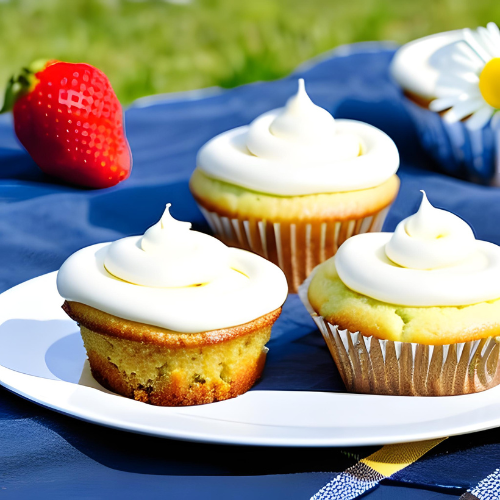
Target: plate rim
[13, 381]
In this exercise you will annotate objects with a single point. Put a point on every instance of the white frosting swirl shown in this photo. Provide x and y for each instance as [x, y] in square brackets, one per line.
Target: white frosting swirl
[432, 259]
[301, 149]
[430, 239]
[301, 131]
[168, 255]
[173, 278]
[418, 65]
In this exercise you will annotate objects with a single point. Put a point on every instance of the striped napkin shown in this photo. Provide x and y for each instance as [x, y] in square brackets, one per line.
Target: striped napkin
[368, 472]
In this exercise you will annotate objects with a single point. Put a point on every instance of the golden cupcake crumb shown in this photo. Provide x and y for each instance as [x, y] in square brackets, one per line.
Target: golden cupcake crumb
[350, 310]
[167, 368]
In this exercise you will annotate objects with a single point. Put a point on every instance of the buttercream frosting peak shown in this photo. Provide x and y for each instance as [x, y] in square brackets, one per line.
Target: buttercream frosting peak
[167, 235]
[300, 132]
[169, 254]
[430, 239]
[431, 259]
[167, 221]
[422, 224]
[302, 120]
[301, 149]
[182, 280]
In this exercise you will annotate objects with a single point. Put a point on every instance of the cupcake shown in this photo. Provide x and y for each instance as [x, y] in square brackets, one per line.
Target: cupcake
[451, 85]
[295, 184]
[415, 312]
[173, 317]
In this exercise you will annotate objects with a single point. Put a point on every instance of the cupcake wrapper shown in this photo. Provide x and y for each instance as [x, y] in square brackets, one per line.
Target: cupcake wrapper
[297, 248]
[459, 151]
[373, 366]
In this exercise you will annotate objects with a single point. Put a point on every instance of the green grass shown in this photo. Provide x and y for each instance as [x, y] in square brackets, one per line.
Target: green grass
[150, 47]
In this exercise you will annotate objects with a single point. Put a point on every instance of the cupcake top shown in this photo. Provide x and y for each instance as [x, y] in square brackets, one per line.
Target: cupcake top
[458, 71]
[301, 149]
[431, 259]
[173, 278]
[418, 65]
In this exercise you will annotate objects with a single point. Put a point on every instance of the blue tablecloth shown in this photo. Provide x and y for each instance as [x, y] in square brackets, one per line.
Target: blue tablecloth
[45, 455]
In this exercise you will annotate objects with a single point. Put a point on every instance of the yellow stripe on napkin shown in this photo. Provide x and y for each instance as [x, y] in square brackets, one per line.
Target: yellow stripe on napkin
[368, 472]
[394, 457]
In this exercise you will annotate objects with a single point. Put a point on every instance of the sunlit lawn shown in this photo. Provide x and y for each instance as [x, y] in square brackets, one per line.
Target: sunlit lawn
[148, 47]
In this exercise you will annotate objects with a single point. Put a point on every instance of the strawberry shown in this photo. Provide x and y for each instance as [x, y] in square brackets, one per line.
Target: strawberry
[70, 121]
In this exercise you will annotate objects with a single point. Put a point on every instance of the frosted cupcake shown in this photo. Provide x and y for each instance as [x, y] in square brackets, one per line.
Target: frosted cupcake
[452, 91]
[295, 184]
[173, 317]
[414, 312]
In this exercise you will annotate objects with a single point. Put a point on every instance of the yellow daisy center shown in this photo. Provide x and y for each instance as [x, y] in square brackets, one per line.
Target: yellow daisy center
[489, 82]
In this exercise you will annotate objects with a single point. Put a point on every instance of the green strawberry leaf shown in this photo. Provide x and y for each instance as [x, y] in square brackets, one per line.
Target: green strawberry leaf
[21, 84]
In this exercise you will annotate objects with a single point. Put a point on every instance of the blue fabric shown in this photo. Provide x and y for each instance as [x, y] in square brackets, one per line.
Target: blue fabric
[488, 488]
[45, 455]
[350, 484]
[461, 152]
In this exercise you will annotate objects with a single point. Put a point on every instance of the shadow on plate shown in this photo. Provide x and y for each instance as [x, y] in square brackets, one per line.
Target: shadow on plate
[63, 358]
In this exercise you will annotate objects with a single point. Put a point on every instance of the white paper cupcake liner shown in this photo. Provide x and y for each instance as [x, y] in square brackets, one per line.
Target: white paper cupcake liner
[297, 248]
[374, 366]
[472, 154]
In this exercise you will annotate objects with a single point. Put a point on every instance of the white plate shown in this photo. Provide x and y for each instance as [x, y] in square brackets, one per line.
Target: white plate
[42, 359]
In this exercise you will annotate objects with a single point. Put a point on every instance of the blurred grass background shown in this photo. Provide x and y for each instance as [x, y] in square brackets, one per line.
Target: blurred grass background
[149, 47]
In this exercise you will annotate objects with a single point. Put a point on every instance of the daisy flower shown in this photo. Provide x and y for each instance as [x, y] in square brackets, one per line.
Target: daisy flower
[472, 88]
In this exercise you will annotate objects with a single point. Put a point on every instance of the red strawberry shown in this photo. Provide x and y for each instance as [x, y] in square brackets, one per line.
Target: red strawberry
[70, 121]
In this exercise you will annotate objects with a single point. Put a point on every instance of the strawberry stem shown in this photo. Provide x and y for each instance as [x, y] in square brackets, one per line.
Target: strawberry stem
[22, 83]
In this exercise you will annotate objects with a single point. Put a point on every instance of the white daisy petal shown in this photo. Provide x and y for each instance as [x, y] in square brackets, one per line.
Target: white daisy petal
[464, 62]
[464, 75]
[463, 109]
[443, 103]
[470, 77]
[443, 92]
[473, 89]
[472, 39]
[453, 84]
[475, 93]
[462, 78]
[457, 89]
[493, 29]
[466, 50]
[487, 41]
[495, 36]
[480, 118]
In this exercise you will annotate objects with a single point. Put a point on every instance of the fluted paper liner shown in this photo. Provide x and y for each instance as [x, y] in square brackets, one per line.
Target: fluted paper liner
[296, 247]
[374, 366]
